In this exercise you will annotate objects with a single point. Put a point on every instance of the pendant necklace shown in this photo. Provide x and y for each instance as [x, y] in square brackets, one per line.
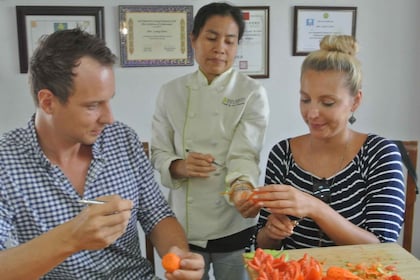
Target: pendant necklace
[321, 189]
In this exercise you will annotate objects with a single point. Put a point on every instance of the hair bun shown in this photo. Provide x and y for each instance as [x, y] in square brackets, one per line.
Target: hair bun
[339, 43]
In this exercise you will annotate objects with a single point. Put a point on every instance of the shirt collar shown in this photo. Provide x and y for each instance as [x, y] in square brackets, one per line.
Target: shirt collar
[34, 146]
[97, 149]
[200, 80]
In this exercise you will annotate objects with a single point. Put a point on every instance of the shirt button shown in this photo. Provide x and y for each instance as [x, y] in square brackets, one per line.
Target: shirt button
[190, 200]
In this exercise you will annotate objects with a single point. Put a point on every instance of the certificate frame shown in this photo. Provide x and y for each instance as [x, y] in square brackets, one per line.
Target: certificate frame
[253, 55]
[311, 23]
[149, 35]
[35, 21]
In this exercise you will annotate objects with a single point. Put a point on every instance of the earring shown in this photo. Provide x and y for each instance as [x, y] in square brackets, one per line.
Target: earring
[352, 118]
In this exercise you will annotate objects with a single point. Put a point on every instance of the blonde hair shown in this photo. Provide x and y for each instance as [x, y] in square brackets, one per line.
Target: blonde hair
[337, 53]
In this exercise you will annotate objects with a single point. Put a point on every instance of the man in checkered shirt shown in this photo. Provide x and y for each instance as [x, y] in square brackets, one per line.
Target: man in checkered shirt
[72, 149]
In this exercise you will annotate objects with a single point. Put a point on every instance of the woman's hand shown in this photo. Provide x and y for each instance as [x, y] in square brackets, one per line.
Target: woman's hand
[194, 165]
[279, 227]
[245, 204]
[286, 200]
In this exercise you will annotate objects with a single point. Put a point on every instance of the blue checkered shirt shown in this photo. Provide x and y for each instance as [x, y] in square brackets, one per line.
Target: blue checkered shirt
[35, 196]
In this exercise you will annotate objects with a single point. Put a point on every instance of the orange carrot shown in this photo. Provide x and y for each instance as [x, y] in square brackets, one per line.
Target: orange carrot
[339, 273]
[171, 262]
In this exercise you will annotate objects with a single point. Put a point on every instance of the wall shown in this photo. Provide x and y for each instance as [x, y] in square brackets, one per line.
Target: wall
[390, 53]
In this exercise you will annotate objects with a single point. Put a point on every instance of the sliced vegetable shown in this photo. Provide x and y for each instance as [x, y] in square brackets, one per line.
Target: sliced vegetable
[274, 253]
[275, 265]
[269, 267]
[339, 273]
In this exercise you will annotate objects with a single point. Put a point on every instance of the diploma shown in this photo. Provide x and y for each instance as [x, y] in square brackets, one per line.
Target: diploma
[252, 55]
[156, 37]
[312, 24]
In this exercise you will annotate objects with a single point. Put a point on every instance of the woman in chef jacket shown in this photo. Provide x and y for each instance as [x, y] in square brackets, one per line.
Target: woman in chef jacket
[208, 131]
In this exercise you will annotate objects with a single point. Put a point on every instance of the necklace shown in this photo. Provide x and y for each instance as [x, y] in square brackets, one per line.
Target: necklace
[324, 180]
[321, 189]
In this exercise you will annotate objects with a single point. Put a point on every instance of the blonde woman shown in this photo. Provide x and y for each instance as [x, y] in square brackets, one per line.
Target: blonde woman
[333, 185]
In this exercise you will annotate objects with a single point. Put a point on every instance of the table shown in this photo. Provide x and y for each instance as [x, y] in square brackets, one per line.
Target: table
[408, 266]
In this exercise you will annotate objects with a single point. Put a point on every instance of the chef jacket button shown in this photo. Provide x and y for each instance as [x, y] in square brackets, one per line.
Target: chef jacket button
[190, 199]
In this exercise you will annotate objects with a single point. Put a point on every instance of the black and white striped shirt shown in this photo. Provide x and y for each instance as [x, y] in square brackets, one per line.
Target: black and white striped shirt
[369, 191]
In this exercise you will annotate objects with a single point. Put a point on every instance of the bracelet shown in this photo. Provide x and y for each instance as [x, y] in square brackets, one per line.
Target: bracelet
[239, 185]
[240, 182]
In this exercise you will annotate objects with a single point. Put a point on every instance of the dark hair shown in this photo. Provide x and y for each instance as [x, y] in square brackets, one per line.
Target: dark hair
[53, 61]
[220, 9]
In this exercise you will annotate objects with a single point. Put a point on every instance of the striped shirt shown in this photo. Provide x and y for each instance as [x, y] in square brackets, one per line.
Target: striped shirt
[35, 196]
[369, 191]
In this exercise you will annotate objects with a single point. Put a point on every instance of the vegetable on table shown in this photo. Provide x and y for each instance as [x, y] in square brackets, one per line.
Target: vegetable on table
[275, 265]
[271, 268]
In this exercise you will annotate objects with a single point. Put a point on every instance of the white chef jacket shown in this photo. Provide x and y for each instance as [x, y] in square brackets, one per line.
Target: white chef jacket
[226, 119]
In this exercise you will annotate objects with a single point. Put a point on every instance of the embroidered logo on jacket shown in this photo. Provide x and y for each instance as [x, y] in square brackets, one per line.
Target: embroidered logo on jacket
[233, 102]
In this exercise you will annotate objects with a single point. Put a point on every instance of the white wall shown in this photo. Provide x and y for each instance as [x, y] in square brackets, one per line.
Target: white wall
[388, 32]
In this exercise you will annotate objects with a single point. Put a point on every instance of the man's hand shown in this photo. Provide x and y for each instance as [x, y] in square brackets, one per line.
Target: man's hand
[192, 266]
[98, 226]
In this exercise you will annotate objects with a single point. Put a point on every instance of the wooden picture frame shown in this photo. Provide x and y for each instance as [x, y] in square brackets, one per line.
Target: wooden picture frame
[312, 23]
[156, 35]
[35, 21]
[253, 55]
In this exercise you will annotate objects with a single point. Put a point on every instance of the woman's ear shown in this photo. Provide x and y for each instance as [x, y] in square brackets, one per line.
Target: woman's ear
[357, 100]
[192, 38]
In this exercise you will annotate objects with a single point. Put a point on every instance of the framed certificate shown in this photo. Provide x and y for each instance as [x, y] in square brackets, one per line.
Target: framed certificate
[252, 57]
[35, 21]
[312, 23]
[155, 35]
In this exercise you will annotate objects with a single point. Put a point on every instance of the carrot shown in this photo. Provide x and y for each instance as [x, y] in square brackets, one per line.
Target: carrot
[262, 276]
[314, 274]
[270, 268]
[374, 271]
[252, 265]
[394, 277]
[245, 196]
[339, 273]
[171, 262]
[279, 262]
[390, 268]
[308, 268]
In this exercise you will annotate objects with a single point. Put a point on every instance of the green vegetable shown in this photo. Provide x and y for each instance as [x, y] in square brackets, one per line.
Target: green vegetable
[274, 253]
